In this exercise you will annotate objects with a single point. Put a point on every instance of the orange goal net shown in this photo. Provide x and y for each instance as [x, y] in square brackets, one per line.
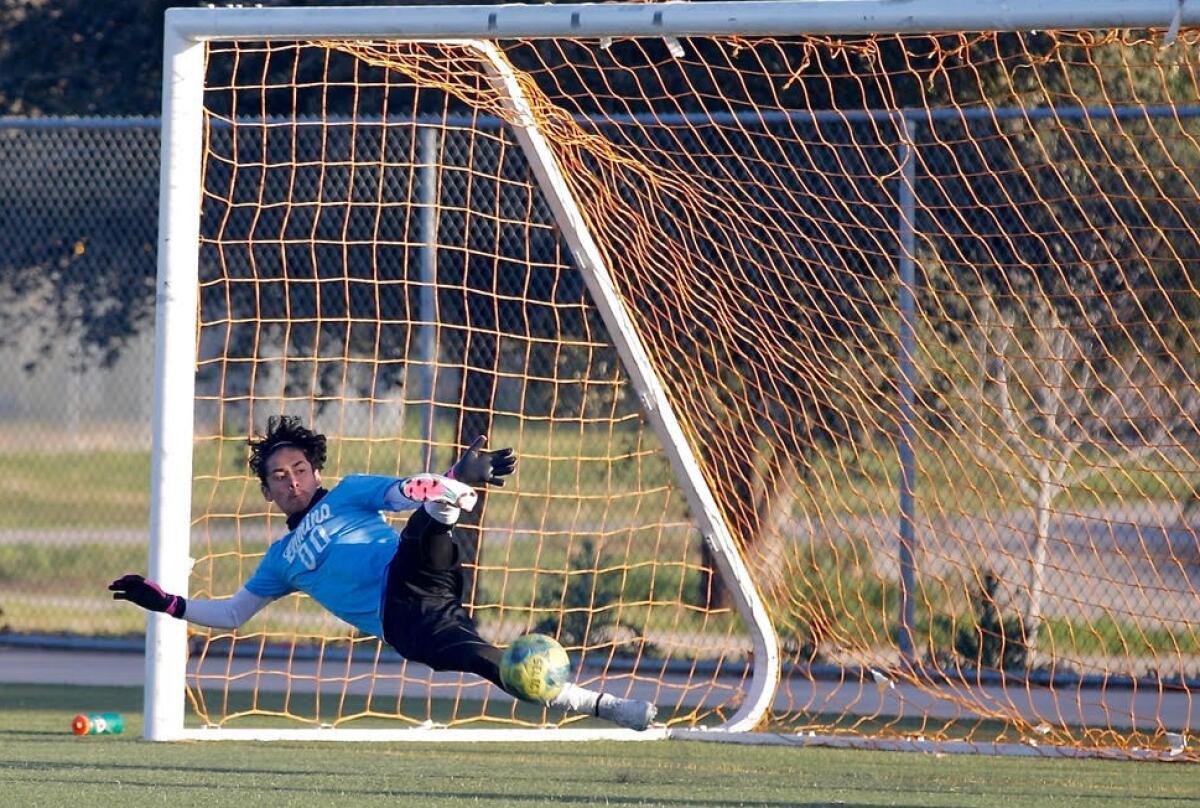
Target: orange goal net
[924, 307]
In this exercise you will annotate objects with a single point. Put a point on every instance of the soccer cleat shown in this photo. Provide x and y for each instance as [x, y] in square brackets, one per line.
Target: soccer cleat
[435, 488]
[629, 713]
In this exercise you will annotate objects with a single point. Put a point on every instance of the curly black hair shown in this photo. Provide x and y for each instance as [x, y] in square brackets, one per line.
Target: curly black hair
[286, 430]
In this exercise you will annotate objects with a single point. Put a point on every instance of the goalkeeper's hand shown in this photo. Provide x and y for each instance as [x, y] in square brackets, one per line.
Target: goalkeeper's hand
[480, 467]
[147, 594]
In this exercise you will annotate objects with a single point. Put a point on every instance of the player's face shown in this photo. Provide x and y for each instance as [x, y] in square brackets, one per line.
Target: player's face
[291, 480]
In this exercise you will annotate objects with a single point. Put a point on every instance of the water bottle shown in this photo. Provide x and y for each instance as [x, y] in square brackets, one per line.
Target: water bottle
[98, 724]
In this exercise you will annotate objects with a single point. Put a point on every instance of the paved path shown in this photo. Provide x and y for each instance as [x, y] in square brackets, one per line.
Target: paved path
[1117, 708]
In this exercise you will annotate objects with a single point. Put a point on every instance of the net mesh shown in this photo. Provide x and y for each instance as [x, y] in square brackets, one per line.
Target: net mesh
[924, 306]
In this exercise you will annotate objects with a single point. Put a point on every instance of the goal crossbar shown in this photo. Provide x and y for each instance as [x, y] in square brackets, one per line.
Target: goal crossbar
[750, 18]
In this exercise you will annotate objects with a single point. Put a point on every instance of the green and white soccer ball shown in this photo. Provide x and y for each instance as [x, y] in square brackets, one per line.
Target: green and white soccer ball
[535, 668]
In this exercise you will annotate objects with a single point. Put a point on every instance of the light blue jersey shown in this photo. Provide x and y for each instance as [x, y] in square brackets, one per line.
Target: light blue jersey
[338, 554]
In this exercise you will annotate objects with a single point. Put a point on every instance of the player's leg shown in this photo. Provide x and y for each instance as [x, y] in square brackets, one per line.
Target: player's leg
[453, 644]
[427, 562]
[425, 621]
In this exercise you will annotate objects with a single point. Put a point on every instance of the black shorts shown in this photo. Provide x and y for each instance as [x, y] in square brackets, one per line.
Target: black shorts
[423, 614]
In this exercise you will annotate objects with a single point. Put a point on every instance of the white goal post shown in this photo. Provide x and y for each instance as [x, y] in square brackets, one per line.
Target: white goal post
[186, 33]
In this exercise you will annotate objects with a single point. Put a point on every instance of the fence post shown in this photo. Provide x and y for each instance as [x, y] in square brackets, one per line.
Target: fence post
[430, 193]
[907, 372]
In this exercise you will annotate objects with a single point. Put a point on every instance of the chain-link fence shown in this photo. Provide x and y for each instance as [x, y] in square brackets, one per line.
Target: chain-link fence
[78, 225]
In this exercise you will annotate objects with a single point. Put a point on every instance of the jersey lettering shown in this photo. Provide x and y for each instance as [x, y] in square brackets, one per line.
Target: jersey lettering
[338, 554]
[309, 538]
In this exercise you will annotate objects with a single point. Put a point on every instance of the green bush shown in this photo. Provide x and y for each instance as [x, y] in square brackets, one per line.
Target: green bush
[833, 597]
[991, 640]
[586, 601]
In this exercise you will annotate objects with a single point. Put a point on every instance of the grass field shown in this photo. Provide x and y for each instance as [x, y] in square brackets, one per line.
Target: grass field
[60, 487]
[42, 764]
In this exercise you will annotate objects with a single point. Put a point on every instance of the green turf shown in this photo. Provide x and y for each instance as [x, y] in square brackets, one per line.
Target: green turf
[42, 764]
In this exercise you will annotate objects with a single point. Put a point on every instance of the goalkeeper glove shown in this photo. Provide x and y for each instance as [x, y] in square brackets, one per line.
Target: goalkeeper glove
[147, 594]
[479, 467]
[435, 490]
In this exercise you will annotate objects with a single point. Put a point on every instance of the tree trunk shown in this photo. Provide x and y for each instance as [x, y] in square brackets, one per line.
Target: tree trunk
[1037, 564]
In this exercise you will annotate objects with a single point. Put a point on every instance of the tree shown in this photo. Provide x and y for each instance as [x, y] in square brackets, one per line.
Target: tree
[80, 219]
[1078, 283]
[74, 57]
[1056, 405]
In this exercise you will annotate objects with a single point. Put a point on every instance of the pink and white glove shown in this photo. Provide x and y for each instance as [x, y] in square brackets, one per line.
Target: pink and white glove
[439, 490]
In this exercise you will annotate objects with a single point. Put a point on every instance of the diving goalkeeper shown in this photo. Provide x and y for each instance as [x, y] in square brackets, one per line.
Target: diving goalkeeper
[340, 551]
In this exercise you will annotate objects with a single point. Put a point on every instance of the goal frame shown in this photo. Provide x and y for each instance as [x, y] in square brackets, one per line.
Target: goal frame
[186, 32]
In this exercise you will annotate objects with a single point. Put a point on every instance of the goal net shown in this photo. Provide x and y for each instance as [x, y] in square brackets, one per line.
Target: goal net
[888, 336]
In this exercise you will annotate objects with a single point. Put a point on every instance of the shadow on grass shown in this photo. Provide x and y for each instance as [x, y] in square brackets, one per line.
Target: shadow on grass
[474, 796]
[74, 699]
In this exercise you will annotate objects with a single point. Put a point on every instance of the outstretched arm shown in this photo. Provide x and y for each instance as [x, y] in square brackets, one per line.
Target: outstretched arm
[228, 613]
[444, 497]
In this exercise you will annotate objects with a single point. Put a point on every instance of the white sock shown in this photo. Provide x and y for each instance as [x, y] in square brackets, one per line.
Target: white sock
[577, 699]
[442, 512]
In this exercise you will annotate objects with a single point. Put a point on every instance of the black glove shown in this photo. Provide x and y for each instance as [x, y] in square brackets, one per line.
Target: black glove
[477, 466]
[147, 594]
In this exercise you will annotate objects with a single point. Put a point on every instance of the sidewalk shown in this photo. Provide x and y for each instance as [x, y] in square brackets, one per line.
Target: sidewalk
[1147, 708]
[53, 667]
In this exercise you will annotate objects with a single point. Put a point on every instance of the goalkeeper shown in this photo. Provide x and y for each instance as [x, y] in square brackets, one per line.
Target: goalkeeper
[340, 551]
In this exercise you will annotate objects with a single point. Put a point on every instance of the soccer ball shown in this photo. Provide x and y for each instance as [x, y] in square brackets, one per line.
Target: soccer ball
[535, 668]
